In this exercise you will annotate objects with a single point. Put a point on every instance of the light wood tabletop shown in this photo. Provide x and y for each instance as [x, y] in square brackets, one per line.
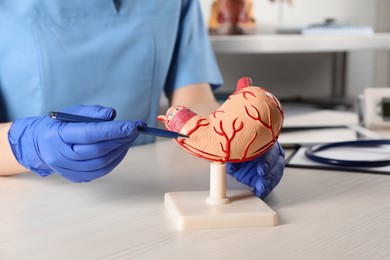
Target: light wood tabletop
[321, 214]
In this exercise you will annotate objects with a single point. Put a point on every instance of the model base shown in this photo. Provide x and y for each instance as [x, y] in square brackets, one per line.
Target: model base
[189, 210]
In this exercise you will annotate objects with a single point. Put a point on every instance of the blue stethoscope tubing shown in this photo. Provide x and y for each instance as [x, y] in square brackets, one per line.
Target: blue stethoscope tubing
[311, 153]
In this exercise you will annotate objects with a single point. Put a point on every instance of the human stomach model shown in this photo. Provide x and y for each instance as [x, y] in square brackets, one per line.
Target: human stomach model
[246, 125]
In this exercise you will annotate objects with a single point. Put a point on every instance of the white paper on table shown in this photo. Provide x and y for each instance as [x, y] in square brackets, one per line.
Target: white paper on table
[299, 159]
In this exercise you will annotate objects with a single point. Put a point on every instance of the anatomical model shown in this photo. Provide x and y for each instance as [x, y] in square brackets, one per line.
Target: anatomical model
[245, 126]
[232, 17]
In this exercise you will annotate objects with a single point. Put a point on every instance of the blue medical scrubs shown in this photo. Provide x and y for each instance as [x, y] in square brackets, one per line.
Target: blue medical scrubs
[117, 53]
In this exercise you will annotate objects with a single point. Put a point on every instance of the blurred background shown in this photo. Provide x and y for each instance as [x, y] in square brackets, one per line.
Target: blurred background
[308, 75]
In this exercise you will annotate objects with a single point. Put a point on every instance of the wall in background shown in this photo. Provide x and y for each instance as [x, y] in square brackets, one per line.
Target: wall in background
[382, 59]
[307, 75]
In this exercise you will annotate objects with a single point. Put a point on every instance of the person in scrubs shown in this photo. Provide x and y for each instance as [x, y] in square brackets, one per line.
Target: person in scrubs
[88, 57]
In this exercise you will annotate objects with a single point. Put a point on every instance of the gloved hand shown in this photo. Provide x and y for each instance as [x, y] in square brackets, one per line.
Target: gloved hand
[262, 173]
[79, 151]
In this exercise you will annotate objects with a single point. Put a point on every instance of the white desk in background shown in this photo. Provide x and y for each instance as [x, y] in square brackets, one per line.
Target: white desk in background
[321, 214]
[296, 43]
[340, 46]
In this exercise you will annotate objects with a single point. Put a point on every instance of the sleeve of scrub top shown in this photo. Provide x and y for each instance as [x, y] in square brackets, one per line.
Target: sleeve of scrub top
[194, 60]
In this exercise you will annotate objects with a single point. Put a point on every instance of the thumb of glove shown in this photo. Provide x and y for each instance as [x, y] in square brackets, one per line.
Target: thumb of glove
[93, 111]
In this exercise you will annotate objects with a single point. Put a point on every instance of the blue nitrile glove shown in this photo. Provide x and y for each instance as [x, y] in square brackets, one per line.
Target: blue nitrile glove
[80, 152]
[262, 173]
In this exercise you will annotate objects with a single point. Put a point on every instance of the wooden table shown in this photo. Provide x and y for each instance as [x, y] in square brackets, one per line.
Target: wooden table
[321, 214]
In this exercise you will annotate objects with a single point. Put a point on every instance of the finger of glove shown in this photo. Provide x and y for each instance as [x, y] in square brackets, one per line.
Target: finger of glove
[87, 133]
[262, 194]
[95, 150]
[87, 176]
[281, 151]
[105, 170]
[246, 172]
[88, 165]
[267, 160]
[232, 167]
[94, 111]
[264, 185]
[277, 172]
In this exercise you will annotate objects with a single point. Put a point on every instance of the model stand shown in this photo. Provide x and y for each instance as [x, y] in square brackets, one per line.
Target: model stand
[218, 208]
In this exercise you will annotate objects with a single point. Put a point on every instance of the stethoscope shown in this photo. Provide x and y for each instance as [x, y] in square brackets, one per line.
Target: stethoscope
[311, 153]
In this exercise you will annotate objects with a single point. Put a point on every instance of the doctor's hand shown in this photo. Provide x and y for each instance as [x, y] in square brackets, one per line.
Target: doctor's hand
[80, 152]
[262, 173]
